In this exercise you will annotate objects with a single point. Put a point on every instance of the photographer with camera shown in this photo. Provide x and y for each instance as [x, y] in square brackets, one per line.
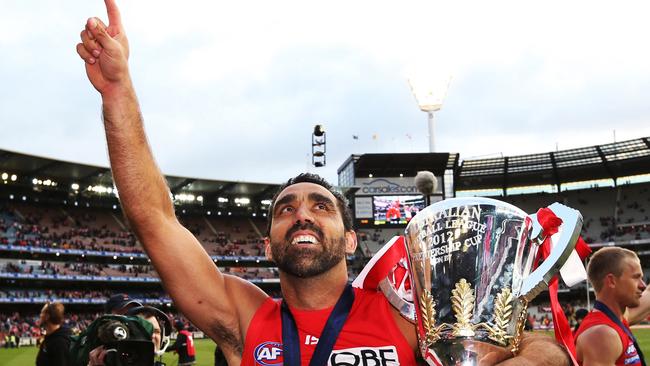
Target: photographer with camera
[134, 339]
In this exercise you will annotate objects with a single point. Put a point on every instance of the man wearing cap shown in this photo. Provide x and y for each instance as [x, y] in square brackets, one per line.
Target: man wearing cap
[159, 337]
[120, 304]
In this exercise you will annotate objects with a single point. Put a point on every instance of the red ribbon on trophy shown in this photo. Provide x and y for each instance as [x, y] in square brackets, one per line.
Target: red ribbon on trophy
[381, 265]
[550, 224]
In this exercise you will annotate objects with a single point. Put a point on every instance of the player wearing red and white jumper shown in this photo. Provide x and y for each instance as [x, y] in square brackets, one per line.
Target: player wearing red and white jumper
[617, 277]
[370, 334]
[628, 354]
[309, 235]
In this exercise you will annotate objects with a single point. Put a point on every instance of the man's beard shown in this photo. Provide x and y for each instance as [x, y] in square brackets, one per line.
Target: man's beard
[308, 262]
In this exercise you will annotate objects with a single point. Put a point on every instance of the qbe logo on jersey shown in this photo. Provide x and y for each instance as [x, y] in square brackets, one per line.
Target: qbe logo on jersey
[269, 353]
[364, 356]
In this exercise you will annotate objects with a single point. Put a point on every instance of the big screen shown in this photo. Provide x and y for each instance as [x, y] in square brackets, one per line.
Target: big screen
[396, 210]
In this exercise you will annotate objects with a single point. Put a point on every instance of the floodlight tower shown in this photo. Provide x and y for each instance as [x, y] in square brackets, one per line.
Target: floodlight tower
[318, 147]
[430, 93]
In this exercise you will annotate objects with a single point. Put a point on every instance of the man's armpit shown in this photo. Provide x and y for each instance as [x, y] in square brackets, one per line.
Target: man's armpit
[226, 337]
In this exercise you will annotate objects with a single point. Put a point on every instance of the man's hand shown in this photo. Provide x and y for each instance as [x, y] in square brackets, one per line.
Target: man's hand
[105, 49]
[538, 350]
[96, 356]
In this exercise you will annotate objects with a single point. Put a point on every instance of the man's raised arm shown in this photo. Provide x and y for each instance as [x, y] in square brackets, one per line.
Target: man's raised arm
[199, 290]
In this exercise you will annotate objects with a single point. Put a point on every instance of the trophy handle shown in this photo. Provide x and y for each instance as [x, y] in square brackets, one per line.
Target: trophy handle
[564, 243]
[405, 306]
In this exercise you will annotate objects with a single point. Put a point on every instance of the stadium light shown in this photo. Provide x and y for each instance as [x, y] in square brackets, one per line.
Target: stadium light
[319, 130]
[430, 91]
[101, 189]
[242, 201]
[14, 177]
[5, 176]
[75, 186]
[318, 147]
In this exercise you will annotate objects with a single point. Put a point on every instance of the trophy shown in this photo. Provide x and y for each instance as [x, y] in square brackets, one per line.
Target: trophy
[473, 269]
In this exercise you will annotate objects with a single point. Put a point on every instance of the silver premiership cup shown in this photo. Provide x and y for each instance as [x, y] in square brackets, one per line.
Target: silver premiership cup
[471, 267]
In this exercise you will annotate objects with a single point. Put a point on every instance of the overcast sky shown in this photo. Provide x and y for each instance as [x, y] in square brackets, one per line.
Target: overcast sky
[232, 90]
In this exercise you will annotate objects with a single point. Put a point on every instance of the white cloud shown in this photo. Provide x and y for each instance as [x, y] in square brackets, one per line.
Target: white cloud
[254, 77]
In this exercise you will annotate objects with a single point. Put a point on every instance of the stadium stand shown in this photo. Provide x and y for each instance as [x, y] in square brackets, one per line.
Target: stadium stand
[63, 237]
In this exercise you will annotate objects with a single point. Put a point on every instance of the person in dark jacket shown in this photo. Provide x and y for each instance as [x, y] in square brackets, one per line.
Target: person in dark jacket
[219, 357]
[55, 348]
[184, 345]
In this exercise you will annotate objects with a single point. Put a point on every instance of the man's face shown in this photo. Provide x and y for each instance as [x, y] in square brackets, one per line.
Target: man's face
[156, 336]
[307, 235]
[630, 285]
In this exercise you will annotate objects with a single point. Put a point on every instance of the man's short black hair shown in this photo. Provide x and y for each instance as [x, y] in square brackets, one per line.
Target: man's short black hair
[341, 201]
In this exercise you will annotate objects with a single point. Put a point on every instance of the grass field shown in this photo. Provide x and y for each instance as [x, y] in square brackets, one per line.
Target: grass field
[205, 352]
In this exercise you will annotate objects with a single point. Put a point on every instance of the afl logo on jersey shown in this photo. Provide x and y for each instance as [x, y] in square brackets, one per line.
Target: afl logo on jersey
[269, 353]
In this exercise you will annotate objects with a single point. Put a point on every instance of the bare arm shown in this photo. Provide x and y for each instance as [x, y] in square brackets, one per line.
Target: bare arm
[638, 314]
[599, 346]
[199, 290]
[538, 350]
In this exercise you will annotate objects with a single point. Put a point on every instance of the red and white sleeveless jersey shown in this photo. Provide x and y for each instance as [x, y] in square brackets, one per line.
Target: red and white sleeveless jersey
[369, 336]
[629, 356]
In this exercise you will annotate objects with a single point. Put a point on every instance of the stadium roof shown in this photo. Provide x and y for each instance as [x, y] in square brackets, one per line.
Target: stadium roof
[29, 167]
[615, 160]
[392, 165]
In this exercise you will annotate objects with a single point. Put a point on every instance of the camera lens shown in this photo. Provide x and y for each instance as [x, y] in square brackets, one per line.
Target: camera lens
[112, 331]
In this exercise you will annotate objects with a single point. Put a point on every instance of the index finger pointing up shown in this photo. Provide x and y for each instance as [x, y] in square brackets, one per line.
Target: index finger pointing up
[113, 13]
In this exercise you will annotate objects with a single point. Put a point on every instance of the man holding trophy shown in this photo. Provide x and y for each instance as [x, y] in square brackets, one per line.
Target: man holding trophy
[322, 320]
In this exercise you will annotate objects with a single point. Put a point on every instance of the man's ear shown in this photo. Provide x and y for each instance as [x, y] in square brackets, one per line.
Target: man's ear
[267, 248]
[350, 242]
[609, 280]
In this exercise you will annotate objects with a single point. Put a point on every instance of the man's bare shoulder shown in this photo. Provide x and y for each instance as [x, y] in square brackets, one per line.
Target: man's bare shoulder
[599, 331]
[245, 292]
[599, 344]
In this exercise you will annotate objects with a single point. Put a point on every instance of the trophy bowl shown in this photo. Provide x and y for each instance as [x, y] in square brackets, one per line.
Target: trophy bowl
[472, 267]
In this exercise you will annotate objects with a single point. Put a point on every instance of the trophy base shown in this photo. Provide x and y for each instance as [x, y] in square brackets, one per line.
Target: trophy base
[468, 352]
